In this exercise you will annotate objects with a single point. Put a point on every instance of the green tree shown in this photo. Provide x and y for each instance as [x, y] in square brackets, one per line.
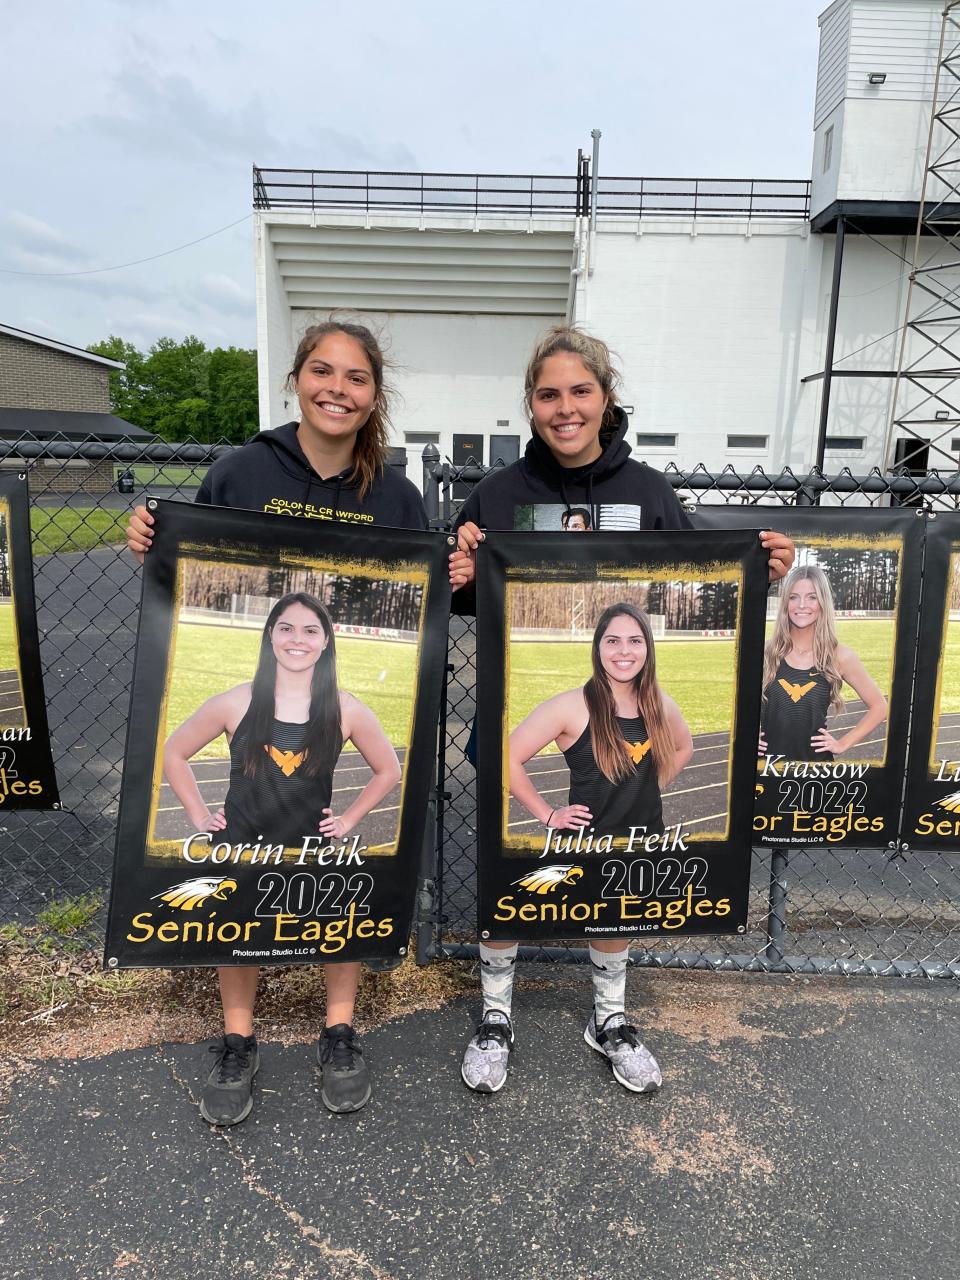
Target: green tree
[126, 385]
[234, 407]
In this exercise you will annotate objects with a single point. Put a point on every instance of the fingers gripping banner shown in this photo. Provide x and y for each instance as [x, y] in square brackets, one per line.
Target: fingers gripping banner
[27, 779]
[932, 809]
[281, 742]
[837, 674]
[618, 700]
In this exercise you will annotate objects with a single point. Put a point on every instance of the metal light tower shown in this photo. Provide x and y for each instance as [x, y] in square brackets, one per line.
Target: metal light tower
[925, 405]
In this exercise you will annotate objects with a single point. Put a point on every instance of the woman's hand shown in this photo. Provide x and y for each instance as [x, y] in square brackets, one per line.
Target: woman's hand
[762, 745]
[139, 532]
[782, 553]
[463, 561]
[213, 821]
[825, 741]
[334, 827]
[569, 818]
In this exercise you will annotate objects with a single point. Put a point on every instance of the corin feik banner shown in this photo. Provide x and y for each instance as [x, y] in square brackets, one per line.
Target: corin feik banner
[281, 741]
[837, 673]
[27, 779]
[932, 804]
[618, 700]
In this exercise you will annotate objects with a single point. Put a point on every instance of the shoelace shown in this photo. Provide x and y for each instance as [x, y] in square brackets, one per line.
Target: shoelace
[622, 1034]
[339, 1050]
[492, 1031]
[233, 1062]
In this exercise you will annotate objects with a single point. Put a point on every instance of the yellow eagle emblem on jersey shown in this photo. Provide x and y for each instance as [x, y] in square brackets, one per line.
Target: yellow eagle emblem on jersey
[637, 750]
[546, 879]
[194, 893]
[951, 802]
[288, 762]
[796, 691]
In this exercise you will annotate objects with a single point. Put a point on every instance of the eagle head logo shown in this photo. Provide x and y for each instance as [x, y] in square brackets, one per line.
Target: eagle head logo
[951, 802]
[546, 879]
[190, 894]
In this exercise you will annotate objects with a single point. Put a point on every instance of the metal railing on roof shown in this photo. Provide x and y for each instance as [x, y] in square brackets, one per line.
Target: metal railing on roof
[529, 195]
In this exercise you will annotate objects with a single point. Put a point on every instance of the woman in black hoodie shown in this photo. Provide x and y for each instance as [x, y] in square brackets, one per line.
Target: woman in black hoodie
[331, 465]
[577, 456]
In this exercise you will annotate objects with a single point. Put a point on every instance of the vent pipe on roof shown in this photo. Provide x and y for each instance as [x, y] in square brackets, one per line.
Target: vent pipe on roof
[595, 135]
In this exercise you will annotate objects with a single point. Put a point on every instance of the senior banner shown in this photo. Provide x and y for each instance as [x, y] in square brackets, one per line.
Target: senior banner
[618, 707]
[837, 673]
[27, 779]
[932, 805]
[281, 741]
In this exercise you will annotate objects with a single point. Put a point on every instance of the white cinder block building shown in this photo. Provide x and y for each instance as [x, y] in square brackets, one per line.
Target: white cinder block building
[716, 294]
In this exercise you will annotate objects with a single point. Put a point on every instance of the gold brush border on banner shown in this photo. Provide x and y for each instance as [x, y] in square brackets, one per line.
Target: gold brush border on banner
[240, 553]
[866, 542]
[25, 723]
[933, 764]
[540, 575]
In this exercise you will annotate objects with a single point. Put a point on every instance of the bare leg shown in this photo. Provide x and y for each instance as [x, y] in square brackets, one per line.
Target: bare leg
[342, 981]
[238, 991]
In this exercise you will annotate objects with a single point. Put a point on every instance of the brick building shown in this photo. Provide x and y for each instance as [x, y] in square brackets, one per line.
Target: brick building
[50, 390]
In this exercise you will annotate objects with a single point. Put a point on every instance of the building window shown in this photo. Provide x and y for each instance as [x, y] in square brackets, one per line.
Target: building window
[656, 440]
[828, 149]
[955, 444]
[422, 437]
[843, 442]
[503, 422]
[747, 442]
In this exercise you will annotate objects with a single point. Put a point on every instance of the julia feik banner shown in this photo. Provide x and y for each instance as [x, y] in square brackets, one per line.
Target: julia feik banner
[27, 779]
[281, 741]
[932, 804]
[618, 706]
[837, 673]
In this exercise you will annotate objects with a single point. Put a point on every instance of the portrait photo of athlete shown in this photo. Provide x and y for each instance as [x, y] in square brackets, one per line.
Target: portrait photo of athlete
[285, 729]
[804, 671]
[622, 737]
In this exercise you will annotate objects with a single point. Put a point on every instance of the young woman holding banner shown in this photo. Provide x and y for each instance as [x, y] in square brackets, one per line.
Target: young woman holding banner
[804, 670]
[330, 465]
[577, 455]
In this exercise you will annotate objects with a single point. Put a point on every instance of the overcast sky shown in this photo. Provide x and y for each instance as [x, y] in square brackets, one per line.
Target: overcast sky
[136, 123]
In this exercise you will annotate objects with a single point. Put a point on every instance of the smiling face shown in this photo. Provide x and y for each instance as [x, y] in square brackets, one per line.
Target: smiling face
[567, 405]
[623, 649]
[803, 604]
[336, 388]
[298, 638]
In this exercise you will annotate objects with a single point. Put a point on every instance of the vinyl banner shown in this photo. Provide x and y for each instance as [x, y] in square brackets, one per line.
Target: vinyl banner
[837, 673]
[282, 741]
[27, 779]
[618, 700]
[932, 805]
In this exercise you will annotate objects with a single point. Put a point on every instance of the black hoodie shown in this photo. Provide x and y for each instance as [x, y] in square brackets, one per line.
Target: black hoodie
[612, 492]
[271, 473]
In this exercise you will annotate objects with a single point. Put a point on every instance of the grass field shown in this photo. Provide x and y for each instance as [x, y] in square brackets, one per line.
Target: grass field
[75, 528]
[181, 477]
[8, 647]
[210, 660]
[950, 681]
[698, 674]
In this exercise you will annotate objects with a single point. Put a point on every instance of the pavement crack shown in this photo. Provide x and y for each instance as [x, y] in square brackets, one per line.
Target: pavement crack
[358, 1263]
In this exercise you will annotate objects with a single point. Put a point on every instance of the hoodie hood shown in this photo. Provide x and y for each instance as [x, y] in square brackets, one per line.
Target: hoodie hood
[290, 458]
[539, 462]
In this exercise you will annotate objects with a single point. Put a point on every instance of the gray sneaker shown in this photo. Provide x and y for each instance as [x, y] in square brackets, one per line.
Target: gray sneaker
[227, 1097]
[634, 1066]
[484, 1066]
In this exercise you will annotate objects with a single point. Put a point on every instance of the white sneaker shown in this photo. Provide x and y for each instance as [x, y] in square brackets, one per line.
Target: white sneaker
[634, 1066]
[484, 1065]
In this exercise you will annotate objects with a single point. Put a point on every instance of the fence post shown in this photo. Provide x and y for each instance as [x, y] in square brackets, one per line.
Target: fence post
[431, 485]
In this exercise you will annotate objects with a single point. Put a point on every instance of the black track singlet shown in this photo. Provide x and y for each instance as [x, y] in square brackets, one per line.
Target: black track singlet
[616, 807]
[795, 707]
[279, 804]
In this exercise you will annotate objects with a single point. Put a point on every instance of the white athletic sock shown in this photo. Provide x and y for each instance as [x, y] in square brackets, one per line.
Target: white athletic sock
[609, 972]
[497, 965]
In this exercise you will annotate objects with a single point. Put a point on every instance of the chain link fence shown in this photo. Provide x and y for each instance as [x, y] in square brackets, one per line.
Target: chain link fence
[822, 910]
[816, 910]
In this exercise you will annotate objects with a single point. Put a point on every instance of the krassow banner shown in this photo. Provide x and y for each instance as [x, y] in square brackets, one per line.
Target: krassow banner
[281, 742]
[618, 700]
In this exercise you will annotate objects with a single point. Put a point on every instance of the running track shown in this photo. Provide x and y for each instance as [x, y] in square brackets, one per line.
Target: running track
[350, 777]
[11, 708]
[698, 797]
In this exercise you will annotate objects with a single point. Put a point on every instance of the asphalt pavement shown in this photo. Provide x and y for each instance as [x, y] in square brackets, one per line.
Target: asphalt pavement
[806, 1129]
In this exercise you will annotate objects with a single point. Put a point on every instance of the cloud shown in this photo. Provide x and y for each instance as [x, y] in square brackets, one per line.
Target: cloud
[44, 247]
[223, 294]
